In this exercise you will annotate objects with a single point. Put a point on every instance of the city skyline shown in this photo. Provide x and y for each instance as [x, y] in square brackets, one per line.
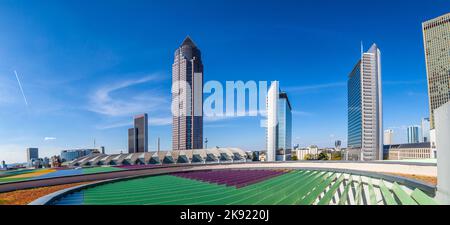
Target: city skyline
[108, 102]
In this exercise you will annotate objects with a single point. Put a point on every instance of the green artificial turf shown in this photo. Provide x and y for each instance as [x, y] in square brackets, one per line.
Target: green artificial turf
[8, 179]
[171, 190]
[100, 170]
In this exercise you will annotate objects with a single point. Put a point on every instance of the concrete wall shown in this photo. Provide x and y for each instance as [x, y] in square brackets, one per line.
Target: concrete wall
[442, 125]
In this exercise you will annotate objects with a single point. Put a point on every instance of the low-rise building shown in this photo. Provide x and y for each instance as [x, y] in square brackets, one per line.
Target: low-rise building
[302, 153]
[408, 151]
[72, 154]
[206, 156]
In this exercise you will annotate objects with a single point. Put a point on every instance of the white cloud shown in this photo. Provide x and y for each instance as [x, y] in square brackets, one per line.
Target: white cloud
[103, 103]
[49, 138]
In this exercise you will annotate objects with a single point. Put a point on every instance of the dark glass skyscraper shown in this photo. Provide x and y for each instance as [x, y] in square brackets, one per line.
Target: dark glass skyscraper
[141, 124]
[138, 135]
[132, 142]
[354, 108]
[187, 97]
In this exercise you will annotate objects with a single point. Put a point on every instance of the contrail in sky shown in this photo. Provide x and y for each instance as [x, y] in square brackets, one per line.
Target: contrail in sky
[20, 85]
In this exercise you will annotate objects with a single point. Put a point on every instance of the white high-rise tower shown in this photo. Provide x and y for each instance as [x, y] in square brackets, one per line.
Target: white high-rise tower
[365, 113]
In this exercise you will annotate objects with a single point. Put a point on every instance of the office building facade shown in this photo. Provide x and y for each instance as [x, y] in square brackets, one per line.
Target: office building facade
[409, 151]
[436, 41]
[138, 135]
[279, 125]
[425, 130]
[365, 119]
[141, 124]
[132, 140]
[442, 118]
[32, 154]
[72, 154]
[187, 97]
[412, 133]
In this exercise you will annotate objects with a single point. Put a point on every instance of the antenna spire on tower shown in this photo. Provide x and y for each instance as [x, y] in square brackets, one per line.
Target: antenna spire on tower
[362, 49]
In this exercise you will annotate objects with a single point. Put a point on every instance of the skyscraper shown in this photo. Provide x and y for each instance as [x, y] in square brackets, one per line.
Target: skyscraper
[413, 134]
[187, 97]
[436, 36]
[436, 41]
[138, 135]
[132, 141]
[388, 137]
[425, 130]
[365, 123]
[279, 125]
[141, 124]
[32, 154]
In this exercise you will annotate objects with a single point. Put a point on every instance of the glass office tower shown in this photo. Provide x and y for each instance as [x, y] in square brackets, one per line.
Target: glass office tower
[284, 144]
[141, 125]
[132, 143]
[354, 128]
[138, 135]
[279, 125]
[365, 124]
[413, 134]
[32, 154]
[425, 130]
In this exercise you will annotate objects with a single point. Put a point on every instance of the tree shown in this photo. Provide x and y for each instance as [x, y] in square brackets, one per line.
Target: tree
[294, 157]
[322, 156]
[336, 155]
[308, 157]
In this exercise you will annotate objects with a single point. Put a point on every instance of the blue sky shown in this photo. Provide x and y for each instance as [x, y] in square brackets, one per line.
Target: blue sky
[87, 66]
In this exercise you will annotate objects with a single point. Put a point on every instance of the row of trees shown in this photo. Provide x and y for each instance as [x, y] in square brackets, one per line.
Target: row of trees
[321, 156]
